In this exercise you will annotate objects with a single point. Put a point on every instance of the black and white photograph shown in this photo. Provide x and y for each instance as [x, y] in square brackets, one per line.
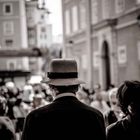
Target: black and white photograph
[69, 69]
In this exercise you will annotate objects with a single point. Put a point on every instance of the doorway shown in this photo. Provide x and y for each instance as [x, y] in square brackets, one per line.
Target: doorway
[106, 75]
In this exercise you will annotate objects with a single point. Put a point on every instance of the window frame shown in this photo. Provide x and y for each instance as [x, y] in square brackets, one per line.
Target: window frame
[11, 62]
[94, 13]
[82, 13]
[117, 7]
[75, 21]
[67, 22]
[11, 25]
[4, 8]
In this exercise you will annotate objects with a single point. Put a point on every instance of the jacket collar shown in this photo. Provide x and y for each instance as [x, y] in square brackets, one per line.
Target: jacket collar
[64, 95]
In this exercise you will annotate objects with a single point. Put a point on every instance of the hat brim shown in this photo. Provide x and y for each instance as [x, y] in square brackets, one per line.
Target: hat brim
[63, 82]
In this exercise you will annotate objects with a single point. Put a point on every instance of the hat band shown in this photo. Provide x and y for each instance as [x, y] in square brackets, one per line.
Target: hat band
[57, 75]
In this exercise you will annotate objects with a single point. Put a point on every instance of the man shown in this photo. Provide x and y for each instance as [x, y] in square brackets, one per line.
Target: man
[66, 117]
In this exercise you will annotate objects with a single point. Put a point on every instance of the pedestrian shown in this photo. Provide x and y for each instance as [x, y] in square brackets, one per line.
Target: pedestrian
[19, 114]
[115, 113]
[98, 101]
[65, 117]
[7, 129]
[127, 128]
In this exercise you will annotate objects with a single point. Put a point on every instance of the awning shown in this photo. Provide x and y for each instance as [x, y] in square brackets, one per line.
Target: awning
[13, 74]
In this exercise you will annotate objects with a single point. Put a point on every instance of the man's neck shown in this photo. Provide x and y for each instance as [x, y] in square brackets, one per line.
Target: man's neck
[64, 95]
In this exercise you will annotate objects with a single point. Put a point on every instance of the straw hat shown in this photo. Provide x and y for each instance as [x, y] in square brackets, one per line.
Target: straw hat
[63, 72]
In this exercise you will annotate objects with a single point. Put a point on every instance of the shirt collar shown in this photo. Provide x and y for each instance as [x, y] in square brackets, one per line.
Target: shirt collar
[64, 95]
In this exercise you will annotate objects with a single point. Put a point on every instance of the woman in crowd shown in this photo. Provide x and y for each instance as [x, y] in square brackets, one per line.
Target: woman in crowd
[127, 128]
[114, 114]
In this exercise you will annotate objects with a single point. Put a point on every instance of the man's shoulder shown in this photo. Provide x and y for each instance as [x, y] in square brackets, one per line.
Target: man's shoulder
[93, 110]
[36, 112]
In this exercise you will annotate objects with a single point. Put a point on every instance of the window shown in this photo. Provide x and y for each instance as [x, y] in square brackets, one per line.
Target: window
[138, 47]
[9, 43]
[67, 22]
[122, 55]
[94, 11]
[8, 28]
[41, 36]
[96, 59]
[119, 5]
[43, 29]
[45, 36]
[84, 61]
[11, 65]
[31, 33]
[42, 17]
[74, 18]
[82, 10]
[105, 8]
[31, 36]
[66, 1]
[30, 17]
[138, 1]
[7, 8]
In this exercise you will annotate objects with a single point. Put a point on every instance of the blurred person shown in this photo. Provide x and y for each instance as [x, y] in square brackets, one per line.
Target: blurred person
[90, 92]
[3, 91]
[66, 117]
[3, 106]
[115, 113]
[127, 128]
[37, 87]
[98, 101]
[28, 94]
[44, 89]
[38, 101]
[7, 129]
[83, 96]
[49, 99]
[12, 90]
[46, 92]
[112, 86]
[19, 114]
[10, 85]
[11, 98]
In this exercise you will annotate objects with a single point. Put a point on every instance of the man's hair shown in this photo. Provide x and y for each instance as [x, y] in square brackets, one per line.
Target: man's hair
[128, 93]
[63, 89]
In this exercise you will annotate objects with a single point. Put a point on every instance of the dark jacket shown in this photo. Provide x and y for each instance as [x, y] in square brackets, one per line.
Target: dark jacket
[123, 130]
[110, 117]
[65, 118]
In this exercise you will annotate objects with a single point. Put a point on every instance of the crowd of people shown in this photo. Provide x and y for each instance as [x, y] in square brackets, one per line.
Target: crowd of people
[64, 107]
[16, 103]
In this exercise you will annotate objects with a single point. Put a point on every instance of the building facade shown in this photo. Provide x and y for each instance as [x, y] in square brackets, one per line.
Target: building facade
[104, 37]
[39, 31]
[23, 24]
[13, 33]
